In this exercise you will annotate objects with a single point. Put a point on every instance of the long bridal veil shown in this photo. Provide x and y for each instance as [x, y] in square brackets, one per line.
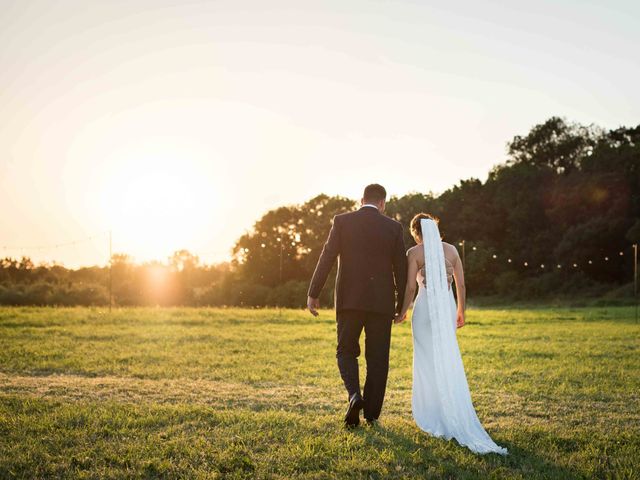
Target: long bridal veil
[451, 397]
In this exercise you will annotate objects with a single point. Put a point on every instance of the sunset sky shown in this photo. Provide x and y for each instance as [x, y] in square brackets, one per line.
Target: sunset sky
[177, 124]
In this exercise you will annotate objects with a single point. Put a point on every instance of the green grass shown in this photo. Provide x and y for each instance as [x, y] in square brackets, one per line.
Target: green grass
[240, 393]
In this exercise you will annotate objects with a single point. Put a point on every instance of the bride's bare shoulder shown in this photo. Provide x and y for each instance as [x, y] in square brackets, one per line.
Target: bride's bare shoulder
[450, 252]
[414, 252]
[449, 246]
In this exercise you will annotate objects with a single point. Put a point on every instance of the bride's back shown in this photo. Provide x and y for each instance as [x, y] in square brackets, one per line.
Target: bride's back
[450, 258]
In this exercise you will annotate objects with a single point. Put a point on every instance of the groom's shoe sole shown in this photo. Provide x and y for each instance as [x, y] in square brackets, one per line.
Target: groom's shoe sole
[352, 418]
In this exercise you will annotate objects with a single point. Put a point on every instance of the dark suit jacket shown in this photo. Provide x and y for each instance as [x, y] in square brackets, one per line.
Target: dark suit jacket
[372, 263]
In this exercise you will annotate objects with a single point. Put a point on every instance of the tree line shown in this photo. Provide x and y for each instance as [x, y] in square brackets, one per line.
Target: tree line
[568, 195]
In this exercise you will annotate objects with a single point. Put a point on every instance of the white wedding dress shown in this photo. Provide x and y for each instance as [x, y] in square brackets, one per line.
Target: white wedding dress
[441, 401]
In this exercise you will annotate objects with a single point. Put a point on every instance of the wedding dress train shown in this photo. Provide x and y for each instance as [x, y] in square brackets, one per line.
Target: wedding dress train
[441, 401]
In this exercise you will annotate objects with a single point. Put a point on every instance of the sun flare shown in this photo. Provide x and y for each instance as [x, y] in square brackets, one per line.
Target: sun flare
[156, 205]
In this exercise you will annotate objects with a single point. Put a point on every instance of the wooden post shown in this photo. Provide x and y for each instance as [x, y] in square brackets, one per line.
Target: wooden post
[635, 277]
[281, 253]
[463, 261]
[110, 276]
[280, 283]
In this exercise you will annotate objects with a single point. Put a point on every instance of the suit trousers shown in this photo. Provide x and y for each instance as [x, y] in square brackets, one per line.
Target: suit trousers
[377, 330]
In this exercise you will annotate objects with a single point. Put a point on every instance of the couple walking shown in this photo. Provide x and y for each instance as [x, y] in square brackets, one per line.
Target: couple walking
[375, 286]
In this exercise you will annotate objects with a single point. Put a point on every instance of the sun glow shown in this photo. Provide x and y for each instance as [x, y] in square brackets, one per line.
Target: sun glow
[159, 203]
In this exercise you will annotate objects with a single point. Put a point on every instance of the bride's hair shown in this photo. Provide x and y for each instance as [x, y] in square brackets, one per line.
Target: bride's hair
[416, 228]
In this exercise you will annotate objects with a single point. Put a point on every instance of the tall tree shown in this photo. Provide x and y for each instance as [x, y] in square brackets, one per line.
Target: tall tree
[556, 144]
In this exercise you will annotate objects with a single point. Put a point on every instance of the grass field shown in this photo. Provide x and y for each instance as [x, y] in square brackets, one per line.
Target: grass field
[239, 393]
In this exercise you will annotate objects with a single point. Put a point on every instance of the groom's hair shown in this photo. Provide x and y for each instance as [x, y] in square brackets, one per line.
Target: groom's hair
[374, 193]
[416, 228]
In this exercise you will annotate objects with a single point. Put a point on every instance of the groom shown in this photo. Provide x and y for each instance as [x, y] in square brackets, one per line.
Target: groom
[372, 273]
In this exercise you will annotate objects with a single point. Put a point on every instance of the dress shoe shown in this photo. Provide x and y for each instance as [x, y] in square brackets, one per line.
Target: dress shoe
[352, 417]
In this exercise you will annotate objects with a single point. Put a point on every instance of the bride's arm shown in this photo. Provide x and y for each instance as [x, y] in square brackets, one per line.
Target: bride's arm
[461, 292]
[410, 289]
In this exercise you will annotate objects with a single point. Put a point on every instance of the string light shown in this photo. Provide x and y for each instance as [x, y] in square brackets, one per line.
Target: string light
[295, 240]
[56, 245]
[525, 263]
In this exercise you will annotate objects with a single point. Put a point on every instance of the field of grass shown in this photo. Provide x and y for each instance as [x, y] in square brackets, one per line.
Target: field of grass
[240, 393]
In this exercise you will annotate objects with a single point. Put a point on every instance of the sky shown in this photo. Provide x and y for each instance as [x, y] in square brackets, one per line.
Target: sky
[177, 124]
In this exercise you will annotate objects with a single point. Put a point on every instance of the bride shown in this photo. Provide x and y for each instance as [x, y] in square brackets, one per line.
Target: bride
[441, 401]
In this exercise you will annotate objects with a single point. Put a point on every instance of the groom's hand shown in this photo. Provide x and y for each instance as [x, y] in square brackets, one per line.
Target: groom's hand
[400, 317]
[313, 304]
